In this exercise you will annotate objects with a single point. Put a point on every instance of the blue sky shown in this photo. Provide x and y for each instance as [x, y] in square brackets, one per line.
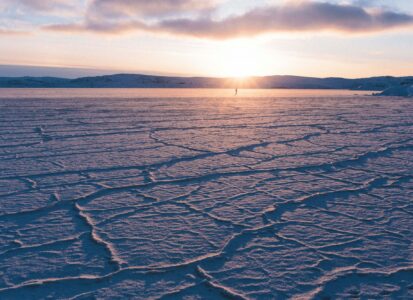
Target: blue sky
[211, 37]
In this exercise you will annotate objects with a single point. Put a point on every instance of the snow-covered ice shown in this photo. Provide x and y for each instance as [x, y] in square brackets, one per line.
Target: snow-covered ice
[206, 198]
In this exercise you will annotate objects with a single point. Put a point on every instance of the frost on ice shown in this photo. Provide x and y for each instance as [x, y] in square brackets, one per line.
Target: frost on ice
[206, 198]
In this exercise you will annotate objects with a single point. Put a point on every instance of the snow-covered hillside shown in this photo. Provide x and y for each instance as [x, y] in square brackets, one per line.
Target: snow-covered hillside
[400, 91]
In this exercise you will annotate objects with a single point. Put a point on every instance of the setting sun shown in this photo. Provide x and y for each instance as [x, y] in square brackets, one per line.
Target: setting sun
[240, 59]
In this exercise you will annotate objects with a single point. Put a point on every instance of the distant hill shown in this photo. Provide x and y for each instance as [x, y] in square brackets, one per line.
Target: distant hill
[148, 81]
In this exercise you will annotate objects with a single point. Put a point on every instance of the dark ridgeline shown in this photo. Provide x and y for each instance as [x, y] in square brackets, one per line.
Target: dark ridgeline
[148, 81]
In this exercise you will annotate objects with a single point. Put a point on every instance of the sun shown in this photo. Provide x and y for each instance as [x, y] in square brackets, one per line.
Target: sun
[239, 59]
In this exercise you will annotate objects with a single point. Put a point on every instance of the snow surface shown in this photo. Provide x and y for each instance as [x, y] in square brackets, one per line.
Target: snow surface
[219, 198]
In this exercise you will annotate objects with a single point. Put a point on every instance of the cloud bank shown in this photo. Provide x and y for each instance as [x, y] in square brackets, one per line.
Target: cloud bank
[293, 16]
[130, 8]
[39, 5]
[11, 32]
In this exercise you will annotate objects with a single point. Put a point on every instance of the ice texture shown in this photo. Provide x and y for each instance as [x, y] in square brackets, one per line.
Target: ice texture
[206, 198]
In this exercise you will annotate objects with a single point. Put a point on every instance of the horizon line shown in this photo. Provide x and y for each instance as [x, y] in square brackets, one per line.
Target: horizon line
[208, 77]
[47, 71]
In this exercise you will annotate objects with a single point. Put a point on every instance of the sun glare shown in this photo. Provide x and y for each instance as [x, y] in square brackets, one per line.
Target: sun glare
[239, 59]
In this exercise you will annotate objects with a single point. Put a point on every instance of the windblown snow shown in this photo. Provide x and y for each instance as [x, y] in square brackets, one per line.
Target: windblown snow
[215, 198]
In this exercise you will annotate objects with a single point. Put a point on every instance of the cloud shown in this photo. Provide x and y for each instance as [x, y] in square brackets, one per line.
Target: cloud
[39, 5]
[101, 27]
[293, 16]
[12, 32]
[116, 8]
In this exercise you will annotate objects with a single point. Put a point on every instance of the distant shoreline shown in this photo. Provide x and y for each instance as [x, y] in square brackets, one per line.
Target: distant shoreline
[183, 88]
[162, 82]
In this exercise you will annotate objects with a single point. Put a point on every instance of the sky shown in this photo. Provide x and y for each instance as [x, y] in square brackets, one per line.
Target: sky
[224, 38]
